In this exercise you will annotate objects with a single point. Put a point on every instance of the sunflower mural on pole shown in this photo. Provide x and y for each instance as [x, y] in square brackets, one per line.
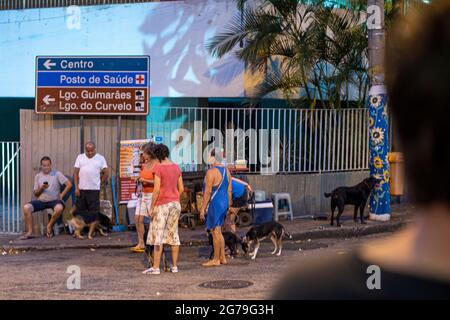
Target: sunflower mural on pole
[380, 198]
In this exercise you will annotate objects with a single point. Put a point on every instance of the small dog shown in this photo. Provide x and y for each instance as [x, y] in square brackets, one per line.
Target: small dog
[231, 241]
[256, 234]
[149, 253]
[79, 222]
[356, 195]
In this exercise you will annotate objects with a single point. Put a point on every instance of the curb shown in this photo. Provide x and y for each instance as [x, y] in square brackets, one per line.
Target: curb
[349, 232]
[322, 233]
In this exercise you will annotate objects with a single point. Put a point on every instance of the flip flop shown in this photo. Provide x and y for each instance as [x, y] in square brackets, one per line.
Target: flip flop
[25, 237]
[50, 234]
[137, 250]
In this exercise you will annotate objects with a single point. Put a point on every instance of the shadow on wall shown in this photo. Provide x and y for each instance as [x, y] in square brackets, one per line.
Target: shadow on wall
[175, 38]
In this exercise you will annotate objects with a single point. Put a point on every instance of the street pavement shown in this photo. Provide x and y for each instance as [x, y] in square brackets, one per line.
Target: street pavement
[37, 268]
[115, 273]
[301, 229]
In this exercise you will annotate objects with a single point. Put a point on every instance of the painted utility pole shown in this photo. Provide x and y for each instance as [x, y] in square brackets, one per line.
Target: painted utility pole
[380, 208]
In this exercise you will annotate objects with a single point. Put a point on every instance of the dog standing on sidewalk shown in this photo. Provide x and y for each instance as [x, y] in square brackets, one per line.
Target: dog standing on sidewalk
[256, 234]
[356, 195]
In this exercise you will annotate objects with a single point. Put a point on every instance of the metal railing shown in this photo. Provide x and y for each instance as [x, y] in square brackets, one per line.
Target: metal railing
[295, 140]
[33, 4]
[10, 211]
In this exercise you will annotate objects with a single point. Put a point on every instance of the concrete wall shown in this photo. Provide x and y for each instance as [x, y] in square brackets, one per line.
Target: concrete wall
[307, 190]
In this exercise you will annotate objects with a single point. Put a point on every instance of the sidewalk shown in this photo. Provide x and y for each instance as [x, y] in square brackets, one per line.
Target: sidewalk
[300, 229]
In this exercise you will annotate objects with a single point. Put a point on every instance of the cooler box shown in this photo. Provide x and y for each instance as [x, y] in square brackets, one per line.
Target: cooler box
[263, 212]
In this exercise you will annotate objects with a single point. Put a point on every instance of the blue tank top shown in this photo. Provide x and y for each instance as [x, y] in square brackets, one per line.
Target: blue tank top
[218, 204]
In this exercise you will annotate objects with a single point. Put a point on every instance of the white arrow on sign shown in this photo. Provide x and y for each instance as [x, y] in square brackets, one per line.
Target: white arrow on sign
[48, 64]
[47, 99]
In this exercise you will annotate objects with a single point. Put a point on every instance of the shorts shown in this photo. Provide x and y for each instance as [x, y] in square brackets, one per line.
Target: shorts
[164, 226]
[42, 205]
[88, 201]
[240, 202]
[143, 205]
[88, 205]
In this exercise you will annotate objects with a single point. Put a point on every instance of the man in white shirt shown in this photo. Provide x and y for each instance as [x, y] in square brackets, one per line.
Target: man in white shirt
[91, 170]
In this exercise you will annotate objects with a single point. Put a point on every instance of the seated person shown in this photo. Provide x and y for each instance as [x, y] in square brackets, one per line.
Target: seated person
[47, 186]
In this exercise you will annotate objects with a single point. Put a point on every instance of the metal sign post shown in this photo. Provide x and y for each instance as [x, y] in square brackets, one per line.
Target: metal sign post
[118, 227]
[81, 134]
[94, 85]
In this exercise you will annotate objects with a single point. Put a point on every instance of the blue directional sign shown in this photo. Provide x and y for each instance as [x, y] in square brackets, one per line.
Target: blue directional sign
[107, 85]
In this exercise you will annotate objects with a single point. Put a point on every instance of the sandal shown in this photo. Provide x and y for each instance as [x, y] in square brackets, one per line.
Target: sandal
[25, 237]
[50, 234]
[136, 249]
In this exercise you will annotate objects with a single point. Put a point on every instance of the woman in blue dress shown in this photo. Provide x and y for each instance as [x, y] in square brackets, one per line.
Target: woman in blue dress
[216, 202]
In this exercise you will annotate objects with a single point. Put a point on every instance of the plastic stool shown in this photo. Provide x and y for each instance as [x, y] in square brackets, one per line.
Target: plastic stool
[278, 210]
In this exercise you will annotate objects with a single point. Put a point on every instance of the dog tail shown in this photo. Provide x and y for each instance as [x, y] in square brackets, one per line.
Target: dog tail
[327, 195]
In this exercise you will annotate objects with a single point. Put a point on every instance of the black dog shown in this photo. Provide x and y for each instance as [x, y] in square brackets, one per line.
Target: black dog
[149, 250]
[256, 234]
[231, 241]
[356, 195]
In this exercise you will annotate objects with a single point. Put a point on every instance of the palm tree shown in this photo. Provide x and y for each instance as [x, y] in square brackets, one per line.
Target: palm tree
[308, 53]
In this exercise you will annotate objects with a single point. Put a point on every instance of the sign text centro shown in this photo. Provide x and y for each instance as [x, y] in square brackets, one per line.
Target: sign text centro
[93, 85]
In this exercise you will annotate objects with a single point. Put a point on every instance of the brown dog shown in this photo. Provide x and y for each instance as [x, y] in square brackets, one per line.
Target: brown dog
[79, 224]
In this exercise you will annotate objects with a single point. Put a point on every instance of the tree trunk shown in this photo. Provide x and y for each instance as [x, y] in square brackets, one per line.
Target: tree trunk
[379, 204]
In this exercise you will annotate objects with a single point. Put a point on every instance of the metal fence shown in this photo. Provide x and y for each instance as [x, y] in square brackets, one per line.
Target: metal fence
[272, 140]
[10, 211]
[32, 4]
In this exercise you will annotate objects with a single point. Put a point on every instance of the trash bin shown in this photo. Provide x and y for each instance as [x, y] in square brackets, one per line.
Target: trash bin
[131, 210]
[397, 175]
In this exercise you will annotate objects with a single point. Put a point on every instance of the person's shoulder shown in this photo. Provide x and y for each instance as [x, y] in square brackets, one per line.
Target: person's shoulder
[211, 172]
[38, 175]
[100, 157]
[59, 173]
[156, 168]
[342, 277]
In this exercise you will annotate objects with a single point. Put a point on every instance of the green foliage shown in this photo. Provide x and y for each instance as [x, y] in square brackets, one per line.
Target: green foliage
[310, 53]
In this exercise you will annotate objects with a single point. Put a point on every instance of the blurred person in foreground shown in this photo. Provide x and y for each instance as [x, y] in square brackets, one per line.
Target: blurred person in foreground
[415, 262]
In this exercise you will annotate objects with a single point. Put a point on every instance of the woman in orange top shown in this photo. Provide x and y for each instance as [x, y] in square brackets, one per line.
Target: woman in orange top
[145, 202]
